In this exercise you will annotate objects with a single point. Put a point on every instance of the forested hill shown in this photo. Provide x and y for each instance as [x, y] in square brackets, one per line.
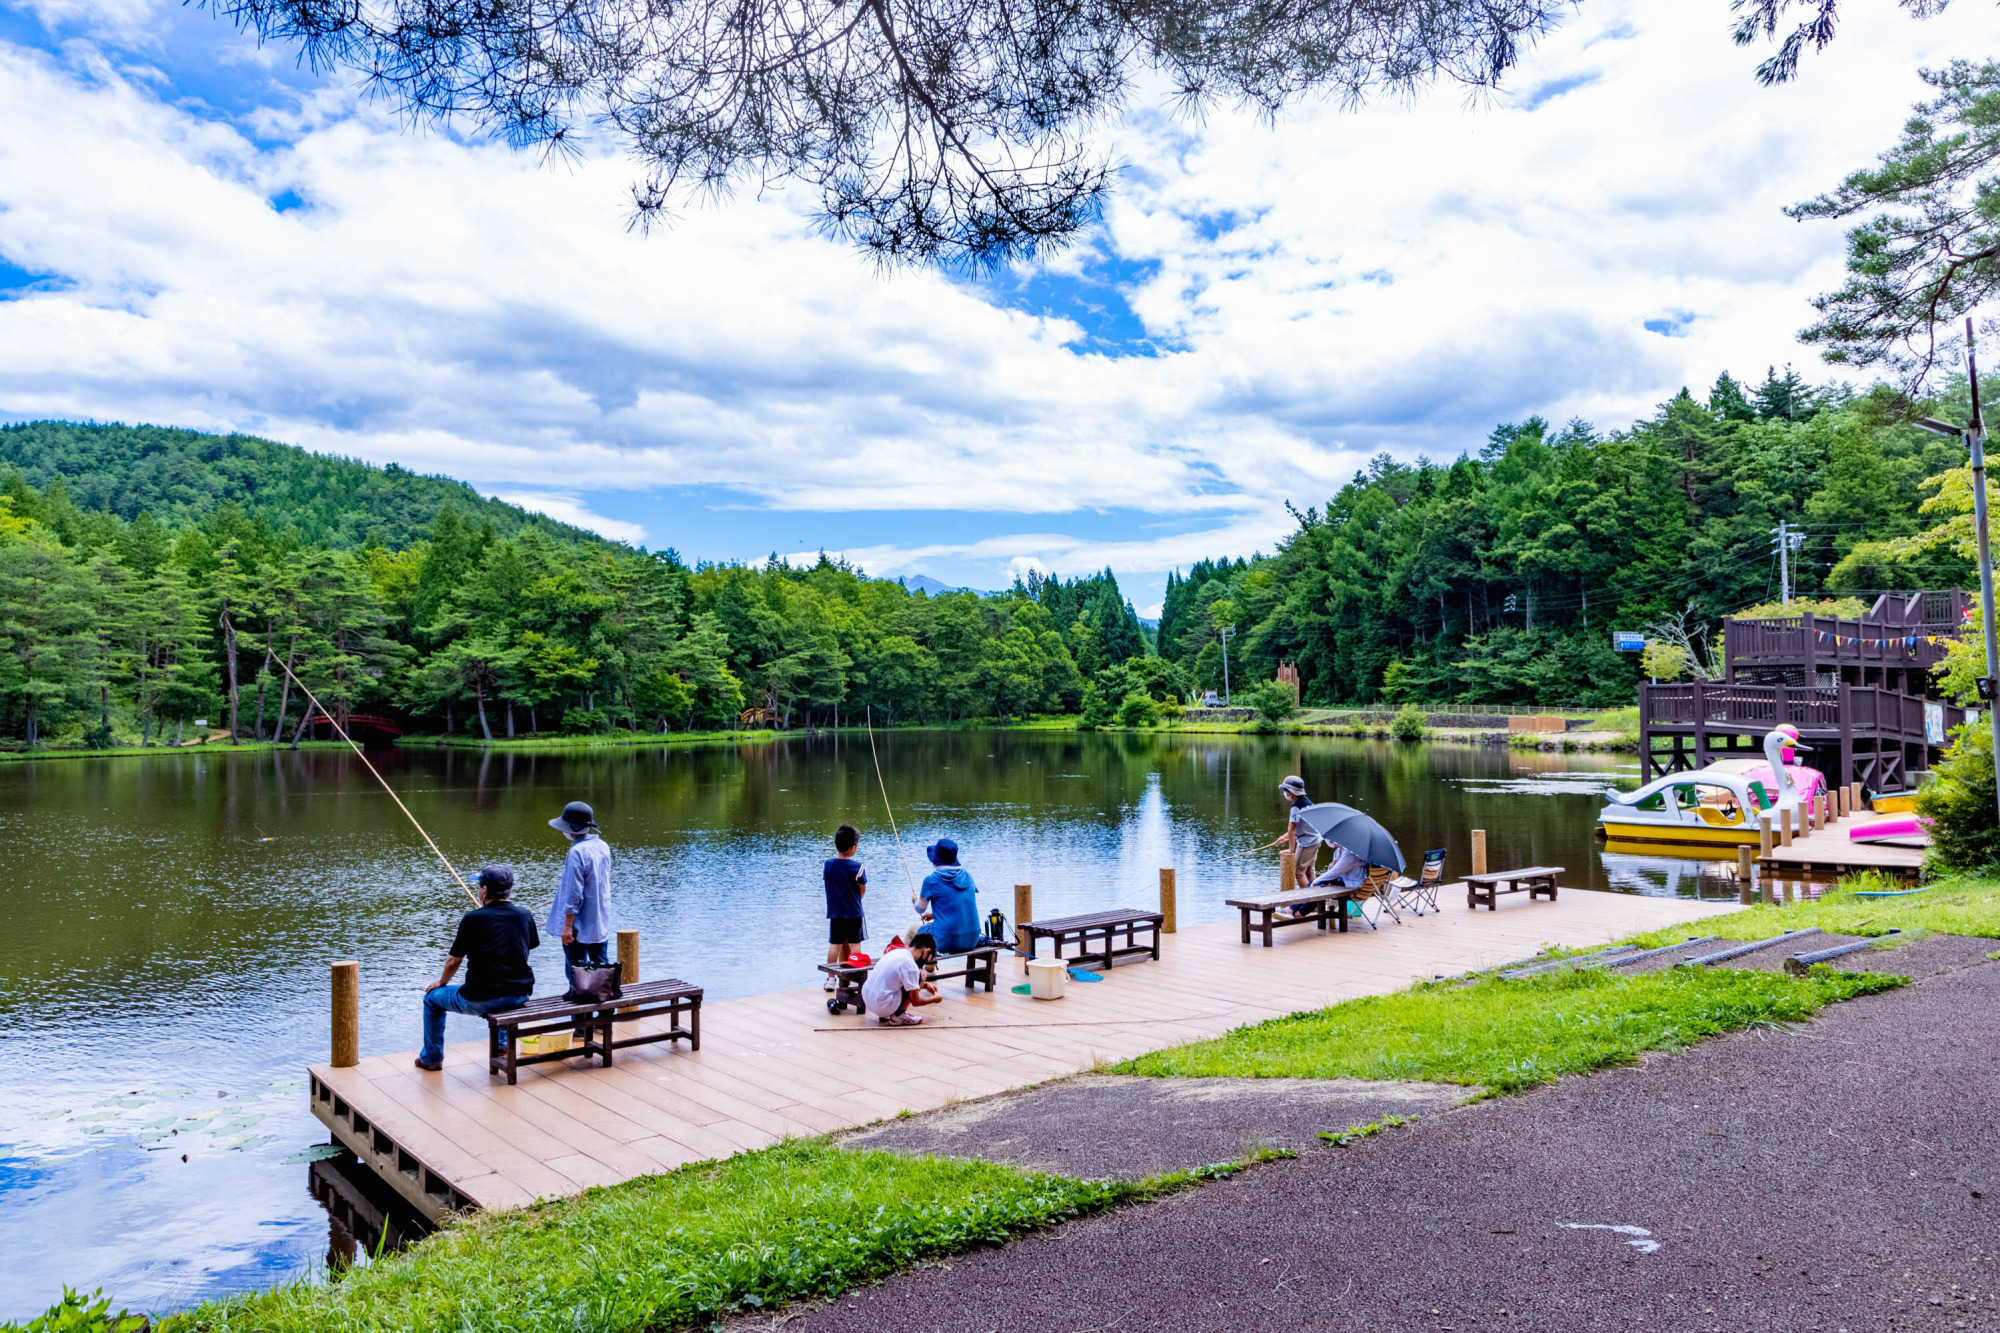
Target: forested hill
[181, 477]
[1499, 576]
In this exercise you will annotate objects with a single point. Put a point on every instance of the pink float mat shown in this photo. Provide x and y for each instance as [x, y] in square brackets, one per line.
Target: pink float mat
[1895, 826]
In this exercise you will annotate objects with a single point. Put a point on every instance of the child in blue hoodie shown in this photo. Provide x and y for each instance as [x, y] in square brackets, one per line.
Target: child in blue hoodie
[950, 899]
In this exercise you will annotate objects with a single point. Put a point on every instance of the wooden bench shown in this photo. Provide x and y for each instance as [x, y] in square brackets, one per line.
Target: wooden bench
[1329, 904]
[1483, 890]
[1079, 930]
[978, 969]
[595, 1022]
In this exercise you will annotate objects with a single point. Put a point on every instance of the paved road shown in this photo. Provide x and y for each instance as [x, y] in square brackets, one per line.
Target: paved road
[1844, 1175]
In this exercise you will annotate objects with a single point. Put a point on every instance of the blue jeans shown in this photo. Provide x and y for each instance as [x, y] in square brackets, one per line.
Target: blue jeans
[580, 952]
[450, 1000]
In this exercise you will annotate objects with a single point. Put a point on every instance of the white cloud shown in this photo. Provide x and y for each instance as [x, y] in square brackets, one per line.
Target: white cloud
[574, 511]
[1395, 280]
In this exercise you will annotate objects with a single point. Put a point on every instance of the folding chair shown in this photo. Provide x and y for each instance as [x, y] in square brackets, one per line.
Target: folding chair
[1421, 894]
[1373, 898]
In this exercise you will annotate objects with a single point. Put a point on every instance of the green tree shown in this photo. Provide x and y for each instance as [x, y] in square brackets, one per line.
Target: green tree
[44, 613]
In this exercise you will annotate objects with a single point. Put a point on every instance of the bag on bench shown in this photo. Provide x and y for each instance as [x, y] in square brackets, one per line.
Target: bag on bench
[593, 983]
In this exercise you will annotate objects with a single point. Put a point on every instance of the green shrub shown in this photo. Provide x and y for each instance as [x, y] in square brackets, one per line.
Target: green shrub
[1408, 724]
[1136, 710]
[1965, 828]
[1272, 701]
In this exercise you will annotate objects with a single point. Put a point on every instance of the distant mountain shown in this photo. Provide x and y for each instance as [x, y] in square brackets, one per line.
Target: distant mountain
[924, 583]
[183, 476]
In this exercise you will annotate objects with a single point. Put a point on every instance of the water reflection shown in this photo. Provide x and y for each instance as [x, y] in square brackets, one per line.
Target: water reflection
[168, 922]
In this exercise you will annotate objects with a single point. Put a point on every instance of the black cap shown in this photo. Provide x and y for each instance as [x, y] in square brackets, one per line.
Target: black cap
[575, 818]
[497, 879]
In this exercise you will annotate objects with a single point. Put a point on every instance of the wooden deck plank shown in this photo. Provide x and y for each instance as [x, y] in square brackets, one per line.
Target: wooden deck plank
[779, 1064]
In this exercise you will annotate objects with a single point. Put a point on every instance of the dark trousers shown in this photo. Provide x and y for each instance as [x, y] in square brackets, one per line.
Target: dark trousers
[587, 953]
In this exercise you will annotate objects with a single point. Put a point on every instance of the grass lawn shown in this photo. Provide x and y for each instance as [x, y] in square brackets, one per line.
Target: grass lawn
[798, 1221]
[1958, 906]
[1509, 1035]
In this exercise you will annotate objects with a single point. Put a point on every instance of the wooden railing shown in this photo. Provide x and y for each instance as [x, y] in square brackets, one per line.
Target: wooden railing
[1854, 709]
[1813, 641]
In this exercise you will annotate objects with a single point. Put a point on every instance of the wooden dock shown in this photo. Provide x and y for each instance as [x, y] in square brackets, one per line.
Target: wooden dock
[1829, 851]
[779, 1065]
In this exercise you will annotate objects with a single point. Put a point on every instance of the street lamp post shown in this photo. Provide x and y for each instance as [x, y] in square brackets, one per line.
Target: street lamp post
[1228, 632]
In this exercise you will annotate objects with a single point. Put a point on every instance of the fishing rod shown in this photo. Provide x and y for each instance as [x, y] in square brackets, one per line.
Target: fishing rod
[310, 699]
[869, 718]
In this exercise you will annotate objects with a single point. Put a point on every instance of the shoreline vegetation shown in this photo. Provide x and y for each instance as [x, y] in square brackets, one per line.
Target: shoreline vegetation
[1613, 730]
[808, 1220]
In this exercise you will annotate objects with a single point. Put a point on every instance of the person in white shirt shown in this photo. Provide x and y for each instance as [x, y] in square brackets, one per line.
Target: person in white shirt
[896, 984]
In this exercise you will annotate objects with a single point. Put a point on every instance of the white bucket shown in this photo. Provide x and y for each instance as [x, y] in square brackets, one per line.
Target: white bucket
[1048, 978]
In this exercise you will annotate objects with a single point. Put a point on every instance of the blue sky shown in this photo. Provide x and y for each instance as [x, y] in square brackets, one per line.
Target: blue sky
[195, 231]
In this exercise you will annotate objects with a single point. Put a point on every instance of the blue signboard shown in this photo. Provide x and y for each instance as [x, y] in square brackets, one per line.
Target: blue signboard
[1625, 641]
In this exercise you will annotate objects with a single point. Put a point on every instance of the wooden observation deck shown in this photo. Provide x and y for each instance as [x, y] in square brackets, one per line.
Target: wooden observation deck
[1859, 691]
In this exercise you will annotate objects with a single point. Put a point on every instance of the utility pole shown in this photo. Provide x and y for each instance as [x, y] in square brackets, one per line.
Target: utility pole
[1974, 435]
[1228, 632]
[1786, 541]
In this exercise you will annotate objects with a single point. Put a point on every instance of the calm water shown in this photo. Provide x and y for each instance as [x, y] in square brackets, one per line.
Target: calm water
[167, 923]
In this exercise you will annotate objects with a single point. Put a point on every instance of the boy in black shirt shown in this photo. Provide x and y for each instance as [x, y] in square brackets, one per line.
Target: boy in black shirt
[846, 882]
[493, 941]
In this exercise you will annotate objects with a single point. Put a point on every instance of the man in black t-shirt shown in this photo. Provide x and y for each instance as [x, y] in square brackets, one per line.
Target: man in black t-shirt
[493, 941]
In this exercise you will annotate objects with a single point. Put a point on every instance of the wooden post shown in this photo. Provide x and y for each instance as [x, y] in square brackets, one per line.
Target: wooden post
[1479, 851]
[1764, 833]
[1785, 826]
[1743, 864]
[346, 1015]
[628, 959]
[1770, 893]
[1288, 870]
[1024, 912]
[1167, 924]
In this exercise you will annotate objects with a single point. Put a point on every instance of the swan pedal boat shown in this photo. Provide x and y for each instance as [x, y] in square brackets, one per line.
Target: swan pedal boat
[1709, 807]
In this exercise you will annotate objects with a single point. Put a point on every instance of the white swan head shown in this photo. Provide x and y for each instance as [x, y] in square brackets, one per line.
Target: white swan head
[1779, 743]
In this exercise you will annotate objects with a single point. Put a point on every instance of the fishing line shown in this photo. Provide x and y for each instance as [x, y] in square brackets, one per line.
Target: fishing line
[379, 778]
[868, 717]
[1233, 855]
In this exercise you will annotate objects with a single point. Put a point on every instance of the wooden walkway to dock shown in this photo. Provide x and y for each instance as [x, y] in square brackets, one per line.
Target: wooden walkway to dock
[779, 1065]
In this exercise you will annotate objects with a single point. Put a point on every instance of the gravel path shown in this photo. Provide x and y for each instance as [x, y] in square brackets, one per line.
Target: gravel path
[1844, 1175]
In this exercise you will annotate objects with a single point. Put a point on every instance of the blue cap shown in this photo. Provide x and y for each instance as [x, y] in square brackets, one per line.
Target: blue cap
[940, 846]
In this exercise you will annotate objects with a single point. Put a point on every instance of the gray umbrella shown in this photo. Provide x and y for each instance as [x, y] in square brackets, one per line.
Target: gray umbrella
[1347, 827]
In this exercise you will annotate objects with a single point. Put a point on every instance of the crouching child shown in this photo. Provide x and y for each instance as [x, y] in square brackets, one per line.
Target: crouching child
[896, 984]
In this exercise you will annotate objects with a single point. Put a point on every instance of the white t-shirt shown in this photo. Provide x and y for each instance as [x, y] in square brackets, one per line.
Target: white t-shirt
[1305, 834]
[882, 993]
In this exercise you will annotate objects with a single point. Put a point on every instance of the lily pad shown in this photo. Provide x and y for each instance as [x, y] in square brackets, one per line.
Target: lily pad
[56, 1114]
[236, 1126]
[319, 1152]
[174, 1092]
[241, 1143]
[127, 1102]
[98, 1115]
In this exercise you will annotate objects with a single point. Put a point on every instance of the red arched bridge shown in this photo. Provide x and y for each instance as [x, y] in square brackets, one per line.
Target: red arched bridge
[363, 727]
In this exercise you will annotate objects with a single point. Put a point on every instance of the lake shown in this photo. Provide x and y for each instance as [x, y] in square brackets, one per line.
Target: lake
[168, 922]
